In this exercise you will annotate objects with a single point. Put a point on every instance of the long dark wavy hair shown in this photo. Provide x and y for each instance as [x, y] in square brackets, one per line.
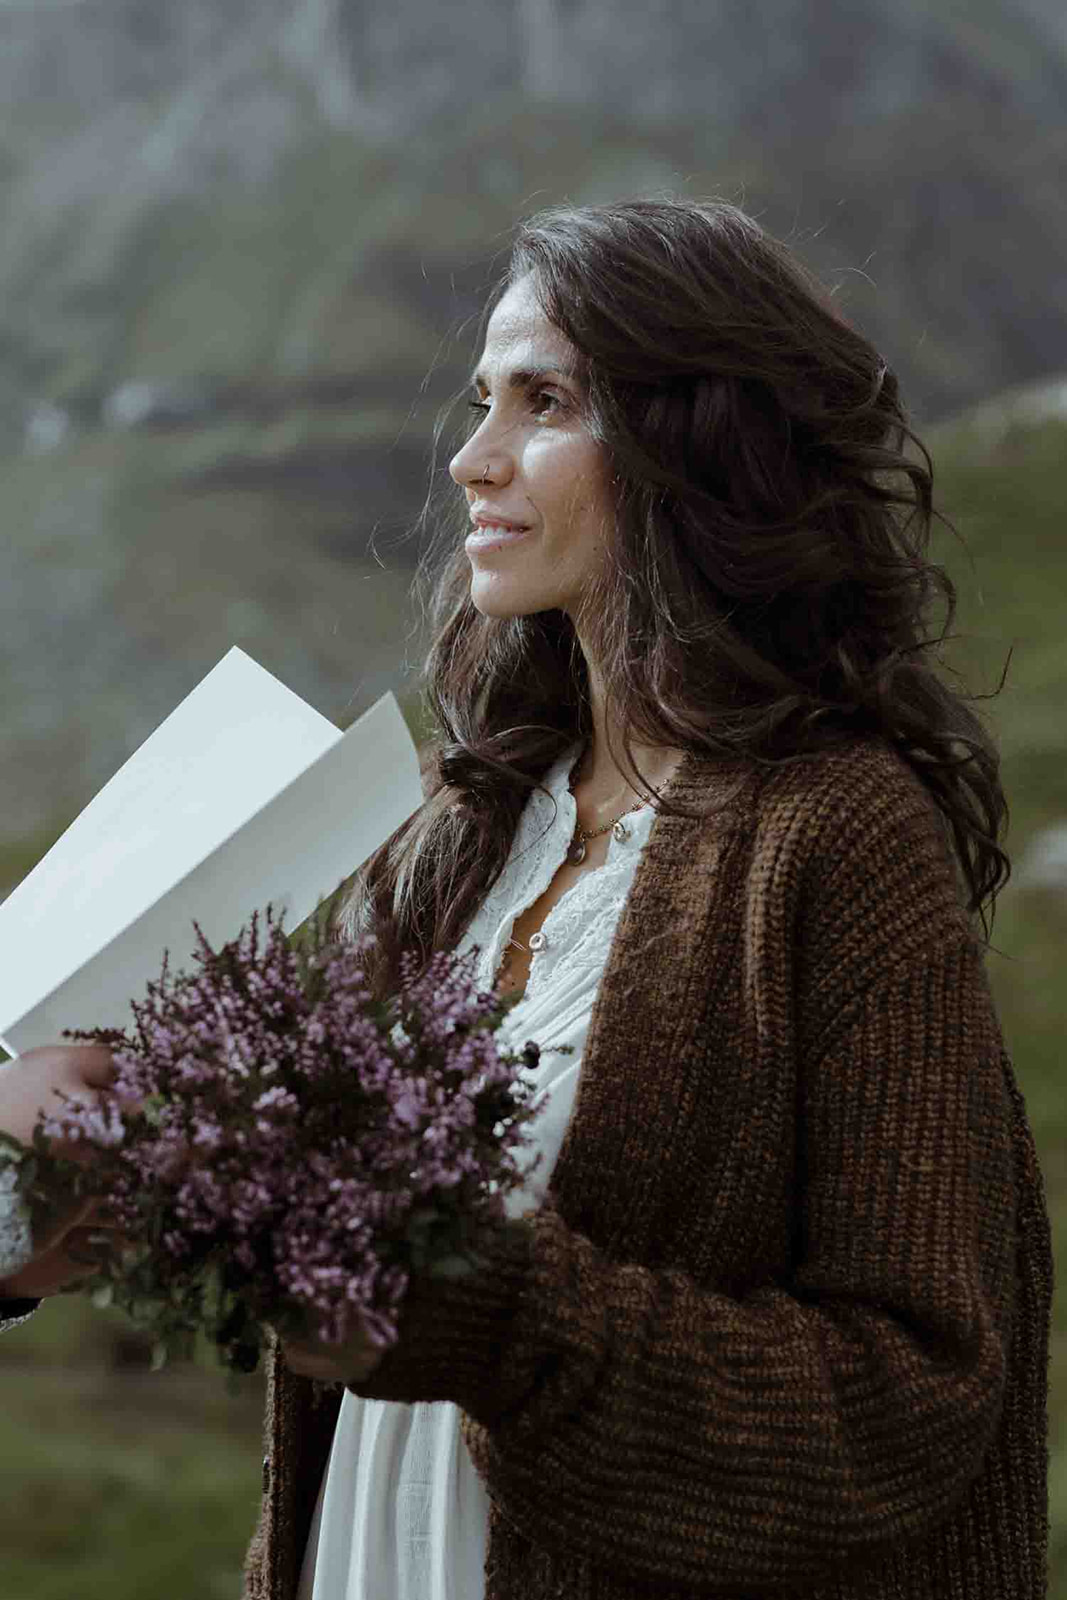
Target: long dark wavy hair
[766, 590]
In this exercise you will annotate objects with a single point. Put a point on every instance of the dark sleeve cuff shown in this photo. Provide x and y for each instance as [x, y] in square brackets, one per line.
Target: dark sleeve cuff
[10, 1309]
[453, 1333]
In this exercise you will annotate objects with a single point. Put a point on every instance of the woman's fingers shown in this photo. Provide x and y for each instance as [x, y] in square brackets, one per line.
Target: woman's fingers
[37, 1082]
[62, 1065]
[57, 1265]
[94, 1064]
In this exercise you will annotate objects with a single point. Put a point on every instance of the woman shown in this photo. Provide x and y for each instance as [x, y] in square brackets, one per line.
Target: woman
[775, 1311]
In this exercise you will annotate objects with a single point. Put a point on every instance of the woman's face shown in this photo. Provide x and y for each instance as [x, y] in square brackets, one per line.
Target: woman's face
[532, 464]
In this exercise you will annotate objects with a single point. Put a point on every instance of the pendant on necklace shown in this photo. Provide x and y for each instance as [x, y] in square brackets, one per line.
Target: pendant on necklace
[576, 852]
[620, 831]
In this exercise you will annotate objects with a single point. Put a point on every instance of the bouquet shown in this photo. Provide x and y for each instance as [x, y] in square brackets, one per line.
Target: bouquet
[277, 1146]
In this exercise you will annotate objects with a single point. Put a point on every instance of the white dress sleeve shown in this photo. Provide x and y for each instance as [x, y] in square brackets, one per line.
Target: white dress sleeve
[16, 1239]
[16, 1243]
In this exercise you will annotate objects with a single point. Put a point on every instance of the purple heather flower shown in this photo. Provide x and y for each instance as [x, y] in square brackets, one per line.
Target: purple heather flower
[288, 1133]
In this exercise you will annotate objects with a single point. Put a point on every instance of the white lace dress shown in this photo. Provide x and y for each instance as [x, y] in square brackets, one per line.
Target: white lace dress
[15, 1245]
[15, 1237]
[402, 1513]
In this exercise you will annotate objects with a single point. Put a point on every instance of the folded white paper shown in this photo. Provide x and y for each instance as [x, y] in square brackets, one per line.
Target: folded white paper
[244, 795]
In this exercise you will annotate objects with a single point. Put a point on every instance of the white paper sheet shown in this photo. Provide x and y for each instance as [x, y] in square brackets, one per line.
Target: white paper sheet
[244, 795]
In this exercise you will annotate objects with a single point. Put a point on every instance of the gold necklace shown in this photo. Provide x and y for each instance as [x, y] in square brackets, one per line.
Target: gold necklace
[576, 848]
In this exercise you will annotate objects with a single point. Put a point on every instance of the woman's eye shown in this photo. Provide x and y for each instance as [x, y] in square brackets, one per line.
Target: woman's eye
[542, 403]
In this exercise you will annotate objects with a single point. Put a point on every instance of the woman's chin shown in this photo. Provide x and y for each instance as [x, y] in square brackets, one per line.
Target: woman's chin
[495, 599]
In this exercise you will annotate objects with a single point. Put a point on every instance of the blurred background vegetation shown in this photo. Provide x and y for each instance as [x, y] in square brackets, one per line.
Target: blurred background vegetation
[245, 245]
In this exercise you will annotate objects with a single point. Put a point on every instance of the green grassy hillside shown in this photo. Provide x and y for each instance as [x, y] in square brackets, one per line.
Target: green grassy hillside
[1004, 483]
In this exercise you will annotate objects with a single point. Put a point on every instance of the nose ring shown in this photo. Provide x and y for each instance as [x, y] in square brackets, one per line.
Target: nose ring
[485, 475]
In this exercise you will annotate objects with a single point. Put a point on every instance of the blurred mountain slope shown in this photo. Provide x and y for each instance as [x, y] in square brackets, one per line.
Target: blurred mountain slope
[246, 241]
[152, 155]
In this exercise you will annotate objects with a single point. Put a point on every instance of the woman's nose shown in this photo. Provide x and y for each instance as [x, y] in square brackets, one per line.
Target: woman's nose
[476, 463]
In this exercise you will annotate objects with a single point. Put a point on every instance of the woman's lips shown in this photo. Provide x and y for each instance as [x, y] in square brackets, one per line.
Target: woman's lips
[494, 537]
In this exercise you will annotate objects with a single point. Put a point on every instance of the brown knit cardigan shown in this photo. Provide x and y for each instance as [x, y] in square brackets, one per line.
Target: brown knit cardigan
[782, 1321]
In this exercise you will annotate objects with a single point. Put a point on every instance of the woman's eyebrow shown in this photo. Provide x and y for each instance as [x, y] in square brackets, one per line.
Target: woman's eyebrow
[522, 377]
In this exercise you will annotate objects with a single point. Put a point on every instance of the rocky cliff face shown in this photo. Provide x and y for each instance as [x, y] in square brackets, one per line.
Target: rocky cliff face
[922, 148]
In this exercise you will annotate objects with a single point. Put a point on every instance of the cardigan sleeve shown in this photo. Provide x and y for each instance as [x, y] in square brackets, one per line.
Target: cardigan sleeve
[674, 1434]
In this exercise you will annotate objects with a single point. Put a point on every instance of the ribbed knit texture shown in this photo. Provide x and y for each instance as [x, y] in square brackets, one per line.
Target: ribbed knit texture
[782, 1322]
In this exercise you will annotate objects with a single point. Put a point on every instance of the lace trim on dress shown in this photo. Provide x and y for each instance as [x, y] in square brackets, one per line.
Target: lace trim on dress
[579, 923]
[529, 869]
[16, 1238]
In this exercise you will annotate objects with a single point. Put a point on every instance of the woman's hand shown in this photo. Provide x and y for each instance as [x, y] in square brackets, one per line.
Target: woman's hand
[352, 1361]
[33, 1082]
[58, 1264]
[28, 1086]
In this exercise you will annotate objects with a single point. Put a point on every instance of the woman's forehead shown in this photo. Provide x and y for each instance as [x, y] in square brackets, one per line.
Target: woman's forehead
[519, 332]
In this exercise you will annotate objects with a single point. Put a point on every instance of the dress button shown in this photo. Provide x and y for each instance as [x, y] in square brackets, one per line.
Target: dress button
[538, 941]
